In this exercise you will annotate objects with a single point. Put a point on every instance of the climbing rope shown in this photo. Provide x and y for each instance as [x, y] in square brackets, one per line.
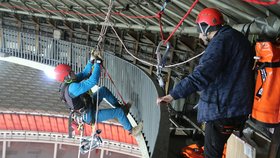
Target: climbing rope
[103, 29]
[93, 128]
[145, 62]
[266, 3]
[110, 78]
[181, 21]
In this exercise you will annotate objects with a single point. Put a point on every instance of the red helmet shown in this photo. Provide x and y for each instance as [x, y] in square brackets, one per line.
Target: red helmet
[61, 71]
[210, 16]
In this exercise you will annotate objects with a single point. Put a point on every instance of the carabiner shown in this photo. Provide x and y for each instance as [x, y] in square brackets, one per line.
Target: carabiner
[161, 60]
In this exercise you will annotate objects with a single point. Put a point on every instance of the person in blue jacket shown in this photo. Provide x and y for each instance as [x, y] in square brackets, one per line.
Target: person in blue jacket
[77, 95]
[225, 79]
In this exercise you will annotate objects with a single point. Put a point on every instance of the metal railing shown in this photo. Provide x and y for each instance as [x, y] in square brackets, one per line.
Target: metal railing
[132, 82]
[53, 138]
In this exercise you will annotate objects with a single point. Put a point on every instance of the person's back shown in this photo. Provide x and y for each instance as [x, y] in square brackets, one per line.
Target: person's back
[230, 93]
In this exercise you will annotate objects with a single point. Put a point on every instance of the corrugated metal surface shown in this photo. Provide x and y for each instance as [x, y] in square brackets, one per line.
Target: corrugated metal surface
[135, 85]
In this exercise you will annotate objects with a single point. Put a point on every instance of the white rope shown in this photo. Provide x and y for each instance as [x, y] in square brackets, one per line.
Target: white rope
[95, 123]
[104, 27]
[150, 64]
[100, 39]
[192, 58]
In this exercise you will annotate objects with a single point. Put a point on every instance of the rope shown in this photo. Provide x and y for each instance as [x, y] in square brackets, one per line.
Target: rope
[95, 123]
[100, 39]
[145, 62]
[160, 25]
[118, 92]
[266, 3]
[136, 17]
[104, 27]
[181, 21]
[192, 58]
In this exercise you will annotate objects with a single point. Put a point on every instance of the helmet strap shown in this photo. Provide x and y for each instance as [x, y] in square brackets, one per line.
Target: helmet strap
[205, 31]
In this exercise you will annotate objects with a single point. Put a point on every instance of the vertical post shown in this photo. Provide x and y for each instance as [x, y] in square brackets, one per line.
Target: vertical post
[4, 148]
[19, 41]
[136, 47]
[1, 38]
[102, 153]
[55, 150]
[121, 47]
[37, 48]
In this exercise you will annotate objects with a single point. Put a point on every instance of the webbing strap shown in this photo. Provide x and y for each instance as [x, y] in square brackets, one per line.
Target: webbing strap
[263, 73]
[268, 64]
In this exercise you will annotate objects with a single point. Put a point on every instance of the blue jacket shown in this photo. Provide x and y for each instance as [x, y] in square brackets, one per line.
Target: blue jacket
[224, 76]
[78, 88]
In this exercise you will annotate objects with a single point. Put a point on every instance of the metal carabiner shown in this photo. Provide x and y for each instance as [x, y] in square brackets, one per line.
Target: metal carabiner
[161, 60]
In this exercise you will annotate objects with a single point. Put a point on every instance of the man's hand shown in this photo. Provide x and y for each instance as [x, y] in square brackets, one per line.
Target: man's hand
[165, 99]
[98, 60]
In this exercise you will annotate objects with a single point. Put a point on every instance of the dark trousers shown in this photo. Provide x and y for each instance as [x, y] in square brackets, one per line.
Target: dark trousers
[216, 135]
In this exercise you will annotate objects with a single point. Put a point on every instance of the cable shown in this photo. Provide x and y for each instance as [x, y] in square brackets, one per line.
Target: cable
[181, 21]
[119, 94]
[192, 58]
[100, 38]
[266, 3]
[104, 27]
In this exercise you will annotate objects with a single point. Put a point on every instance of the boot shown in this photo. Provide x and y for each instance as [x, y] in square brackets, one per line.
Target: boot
[137, 129]
[126, 108]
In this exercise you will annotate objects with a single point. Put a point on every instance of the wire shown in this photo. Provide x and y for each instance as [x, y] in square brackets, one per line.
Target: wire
[181, 21]
[192, 58]
[119, 94]
[135, 17]
[100, 39]
[266, 3]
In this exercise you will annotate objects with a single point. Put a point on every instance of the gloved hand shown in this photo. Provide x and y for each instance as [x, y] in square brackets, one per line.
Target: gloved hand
[98, 60]
[95, 55]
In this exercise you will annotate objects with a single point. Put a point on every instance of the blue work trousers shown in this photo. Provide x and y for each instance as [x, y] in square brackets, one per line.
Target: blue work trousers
[106, 114]
[105, 93]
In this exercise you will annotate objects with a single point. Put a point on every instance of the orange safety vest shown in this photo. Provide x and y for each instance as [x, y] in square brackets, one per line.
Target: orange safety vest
[266, 108]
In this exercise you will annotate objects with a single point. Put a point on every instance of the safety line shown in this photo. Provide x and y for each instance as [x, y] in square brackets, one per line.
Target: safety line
[100, 39]
[192, 58]
[160, 25]
[118, 92]
[104, 28]
[145, 62]
[181, 21]
[135, 17]
[266, 3]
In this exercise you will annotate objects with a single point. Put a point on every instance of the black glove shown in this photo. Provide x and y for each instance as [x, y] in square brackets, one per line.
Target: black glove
[98, 60]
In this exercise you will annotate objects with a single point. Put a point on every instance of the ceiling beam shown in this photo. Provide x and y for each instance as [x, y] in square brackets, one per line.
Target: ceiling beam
[181, 30]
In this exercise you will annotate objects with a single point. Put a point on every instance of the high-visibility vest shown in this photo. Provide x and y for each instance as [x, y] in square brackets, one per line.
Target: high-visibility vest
[266, 108]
